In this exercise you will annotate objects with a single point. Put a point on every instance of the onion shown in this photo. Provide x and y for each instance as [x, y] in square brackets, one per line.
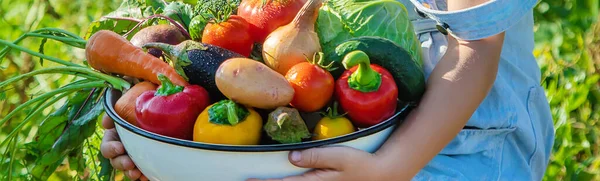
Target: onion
[293, 43]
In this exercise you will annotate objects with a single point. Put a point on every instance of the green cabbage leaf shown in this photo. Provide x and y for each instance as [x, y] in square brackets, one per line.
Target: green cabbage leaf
[340, 20]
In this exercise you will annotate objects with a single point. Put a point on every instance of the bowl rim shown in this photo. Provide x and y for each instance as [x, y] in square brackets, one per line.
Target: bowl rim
[392, 121]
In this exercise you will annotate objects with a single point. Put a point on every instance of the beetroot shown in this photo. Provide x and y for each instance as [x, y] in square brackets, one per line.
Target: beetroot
[162, 33]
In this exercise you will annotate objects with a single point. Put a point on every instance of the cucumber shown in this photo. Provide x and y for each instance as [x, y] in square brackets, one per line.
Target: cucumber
[407, 73]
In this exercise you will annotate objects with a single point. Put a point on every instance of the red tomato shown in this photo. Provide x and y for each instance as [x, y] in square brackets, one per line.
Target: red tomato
[267, 15]
[313, 86]
[232, 34]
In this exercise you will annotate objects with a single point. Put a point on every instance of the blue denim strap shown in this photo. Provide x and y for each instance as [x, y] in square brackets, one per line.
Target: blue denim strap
[481, 21]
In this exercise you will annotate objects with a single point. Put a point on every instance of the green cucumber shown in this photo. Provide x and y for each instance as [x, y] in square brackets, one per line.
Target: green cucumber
[407, 73]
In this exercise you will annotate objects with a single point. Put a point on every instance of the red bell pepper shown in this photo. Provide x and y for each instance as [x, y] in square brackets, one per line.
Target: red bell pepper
[367, 92]
[171, 110]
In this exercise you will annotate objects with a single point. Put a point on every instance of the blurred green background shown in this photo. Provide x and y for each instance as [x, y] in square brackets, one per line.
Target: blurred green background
[567, 49]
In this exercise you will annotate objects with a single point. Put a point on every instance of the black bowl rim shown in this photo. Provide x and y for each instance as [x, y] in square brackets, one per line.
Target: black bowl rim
[392, 121]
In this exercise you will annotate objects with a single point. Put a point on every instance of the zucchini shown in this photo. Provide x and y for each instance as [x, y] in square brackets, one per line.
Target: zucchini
[407, 73]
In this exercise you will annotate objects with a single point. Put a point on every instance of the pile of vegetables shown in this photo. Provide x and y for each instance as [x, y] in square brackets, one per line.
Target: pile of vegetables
[238, 72]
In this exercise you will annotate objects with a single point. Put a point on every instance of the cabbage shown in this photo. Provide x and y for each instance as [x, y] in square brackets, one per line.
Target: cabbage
[340, 20]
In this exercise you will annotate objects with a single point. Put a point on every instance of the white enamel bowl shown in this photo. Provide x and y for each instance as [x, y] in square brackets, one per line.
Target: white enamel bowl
[163, 158]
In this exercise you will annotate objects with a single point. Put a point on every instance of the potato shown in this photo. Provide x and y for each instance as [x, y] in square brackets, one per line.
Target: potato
[253, 84]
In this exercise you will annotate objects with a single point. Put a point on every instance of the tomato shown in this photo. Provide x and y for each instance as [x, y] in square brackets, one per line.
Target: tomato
[332, 125]
[313, 86]
[267, 15]
[232, 34]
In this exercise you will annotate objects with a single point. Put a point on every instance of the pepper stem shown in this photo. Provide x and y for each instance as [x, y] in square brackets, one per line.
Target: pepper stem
[282, 118]
[227, 112]
[364, 79]
[232, 116]
[167, 87]
[332, 112]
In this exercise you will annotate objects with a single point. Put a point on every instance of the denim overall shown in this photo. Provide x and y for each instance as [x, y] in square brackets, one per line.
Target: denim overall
[510, 135]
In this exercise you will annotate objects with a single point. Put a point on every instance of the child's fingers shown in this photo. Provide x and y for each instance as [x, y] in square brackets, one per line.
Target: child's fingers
[122, 162]
[107, 123]
[111, 146]
[335, 158]
[133, 174]
[112, 149]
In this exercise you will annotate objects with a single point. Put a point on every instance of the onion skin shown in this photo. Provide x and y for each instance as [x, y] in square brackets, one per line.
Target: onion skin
[266, 16]
[293, 43]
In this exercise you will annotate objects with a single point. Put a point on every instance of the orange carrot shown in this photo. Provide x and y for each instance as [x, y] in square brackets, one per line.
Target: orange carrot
[125, 106]
[108, 52]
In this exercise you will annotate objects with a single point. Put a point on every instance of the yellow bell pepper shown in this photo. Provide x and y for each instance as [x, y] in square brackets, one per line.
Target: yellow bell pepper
[332, 125]
[227, 122]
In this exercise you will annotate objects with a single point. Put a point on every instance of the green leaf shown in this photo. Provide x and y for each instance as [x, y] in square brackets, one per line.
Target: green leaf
[584, 176]
[118, 21]
[106, 172]
[41, 50]
[76, 160]
[53, 126]
[129, 8]
[577, 98]
[196, 28]
[2, 95]
[50, 130]
[338, 20]
[72, 138]
[155, 4]
[118, 26]
[592, 80]
[180, 12]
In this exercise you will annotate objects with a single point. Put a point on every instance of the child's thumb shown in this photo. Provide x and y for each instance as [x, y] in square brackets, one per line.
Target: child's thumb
[324, 158]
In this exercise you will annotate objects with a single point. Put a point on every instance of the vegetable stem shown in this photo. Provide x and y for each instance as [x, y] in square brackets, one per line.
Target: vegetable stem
[167, 87]
[282, 118]
[79, 43]
[61, 31]
[36, 112]
[177, 54]
[332, 112]
[37, 32]
[306, 17]
[227, 112]
[115, 82]
[63, 62]
[364, 79]
[232, 116]
[179, 26]
[94, 84]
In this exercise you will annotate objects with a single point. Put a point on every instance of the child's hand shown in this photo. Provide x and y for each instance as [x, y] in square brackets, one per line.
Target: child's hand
[335, 163]
[113, 149]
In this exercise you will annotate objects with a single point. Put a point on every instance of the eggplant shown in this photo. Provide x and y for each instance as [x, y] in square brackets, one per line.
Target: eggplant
[197, 62]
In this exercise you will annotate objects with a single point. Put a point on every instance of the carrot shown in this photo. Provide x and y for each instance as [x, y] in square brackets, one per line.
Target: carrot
[108, 52]
[125, 106]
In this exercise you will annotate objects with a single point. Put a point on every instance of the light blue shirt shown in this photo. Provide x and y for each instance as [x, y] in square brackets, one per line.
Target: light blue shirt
[510, 135]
